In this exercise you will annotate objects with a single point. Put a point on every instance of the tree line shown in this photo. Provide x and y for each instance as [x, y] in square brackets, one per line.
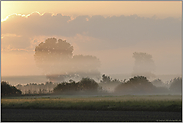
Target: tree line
[56, 59]
[135, 85]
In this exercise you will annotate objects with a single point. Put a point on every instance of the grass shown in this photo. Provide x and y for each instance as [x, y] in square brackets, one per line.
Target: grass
[122, 103]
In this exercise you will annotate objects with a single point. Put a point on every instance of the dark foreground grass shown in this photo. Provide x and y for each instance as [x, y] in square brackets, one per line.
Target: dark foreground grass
[122, 103]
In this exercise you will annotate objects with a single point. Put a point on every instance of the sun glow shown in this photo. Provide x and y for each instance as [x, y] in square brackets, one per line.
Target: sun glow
[158, 8]
[21, 15]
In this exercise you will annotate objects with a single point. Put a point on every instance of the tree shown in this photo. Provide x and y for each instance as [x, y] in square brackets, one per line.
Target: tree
[106, 79]
[88, 85]
[53, 56]
[136, 85]
[109, 84]
[56, 59]
[144, 65]
[84, 85]
[7, 89]
[66, 87]
[176, 85]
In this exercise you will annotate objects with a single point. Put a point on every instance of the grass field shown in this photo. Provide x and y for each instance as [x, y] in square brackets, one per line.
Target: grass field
[171, 103]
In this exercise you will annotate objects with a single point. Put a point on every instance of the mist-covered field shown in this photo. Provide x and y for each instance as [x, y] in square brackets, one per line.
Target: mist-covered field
[172, 103]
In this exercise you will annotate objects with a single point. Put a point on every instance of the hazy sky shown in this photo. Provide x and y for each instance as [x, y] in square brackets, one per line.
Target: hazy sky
[109, 30]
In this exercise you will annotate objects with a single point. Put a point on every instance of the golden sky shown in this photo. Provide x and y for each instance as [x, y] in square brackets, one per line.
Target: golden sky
[141, 8]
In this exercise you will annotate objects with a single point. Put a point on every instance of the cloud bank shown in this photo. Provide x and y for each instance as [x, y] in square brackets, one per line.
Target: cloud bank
[110, 32]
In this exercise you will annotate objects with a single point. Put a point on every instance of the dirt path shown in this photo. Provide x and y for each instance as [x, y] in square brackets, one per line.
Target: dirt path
[83, 115]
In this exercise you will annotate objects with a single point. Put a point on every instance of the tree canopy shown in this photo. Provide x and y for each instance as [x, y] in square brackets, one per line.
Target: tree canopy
[52, 56]
[136, 85]
[87, 84]
[176, 85]
[7, 89]
[57, 61]
[84, 85]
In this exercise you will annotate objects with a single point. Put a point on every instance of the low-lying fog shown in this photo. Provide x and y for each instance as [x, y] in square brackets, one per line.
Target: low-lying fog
[60, 66]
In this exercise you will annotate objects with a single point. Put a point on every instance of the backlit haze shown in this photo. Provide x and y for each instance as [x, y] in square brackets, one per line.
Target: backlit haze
[111, 31]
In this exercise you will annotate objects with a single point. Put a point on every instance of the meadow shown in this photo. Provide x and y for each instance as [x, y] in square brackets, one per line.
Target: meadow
[170, 103]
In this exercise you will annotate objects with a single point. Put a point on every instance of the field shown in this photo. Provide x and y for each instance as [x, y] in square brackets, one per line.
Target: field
[170, 103]
[92, 108]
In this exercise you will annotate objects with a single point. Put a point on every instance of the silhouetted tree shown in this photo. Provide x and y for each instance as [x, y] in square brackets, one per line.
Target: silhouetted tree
[136, 85]
[144, 65]
[109, 84]
[7, 89]
[87, 84]
[36, 88]
[106, 79]
[66, 87]
[176, 85]
[19, 86]
[49, 86]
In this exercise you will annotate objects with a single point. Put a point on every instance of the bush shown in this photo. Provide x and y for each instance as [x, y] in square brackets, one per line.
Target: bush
[108, 79]
[66, 87]
[7, 89]
[87, 84]
[136, 85]
[176, 85]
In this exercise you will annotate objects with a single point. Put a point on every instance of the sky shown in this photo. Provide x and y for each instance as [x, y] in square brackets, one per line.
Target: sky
[110, 30]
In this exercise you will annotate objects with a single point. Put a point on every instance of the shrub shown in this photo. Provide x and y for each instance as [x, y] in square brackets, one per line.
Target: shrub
[108, 79]
[66, 87]
[7, 89]
[136, 85]
[176, 85]
[87, 84]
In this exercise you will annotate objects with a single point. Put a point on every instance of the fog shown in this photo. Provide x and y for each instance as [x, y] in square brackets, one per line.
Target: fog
[57, 62]
[144, 65]
[59, 48]
[112, 39]
[138, 85]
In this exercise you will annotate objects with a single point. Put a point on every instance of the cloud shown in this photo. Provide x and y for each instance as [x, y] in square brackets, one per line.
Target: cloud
[100, 32]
